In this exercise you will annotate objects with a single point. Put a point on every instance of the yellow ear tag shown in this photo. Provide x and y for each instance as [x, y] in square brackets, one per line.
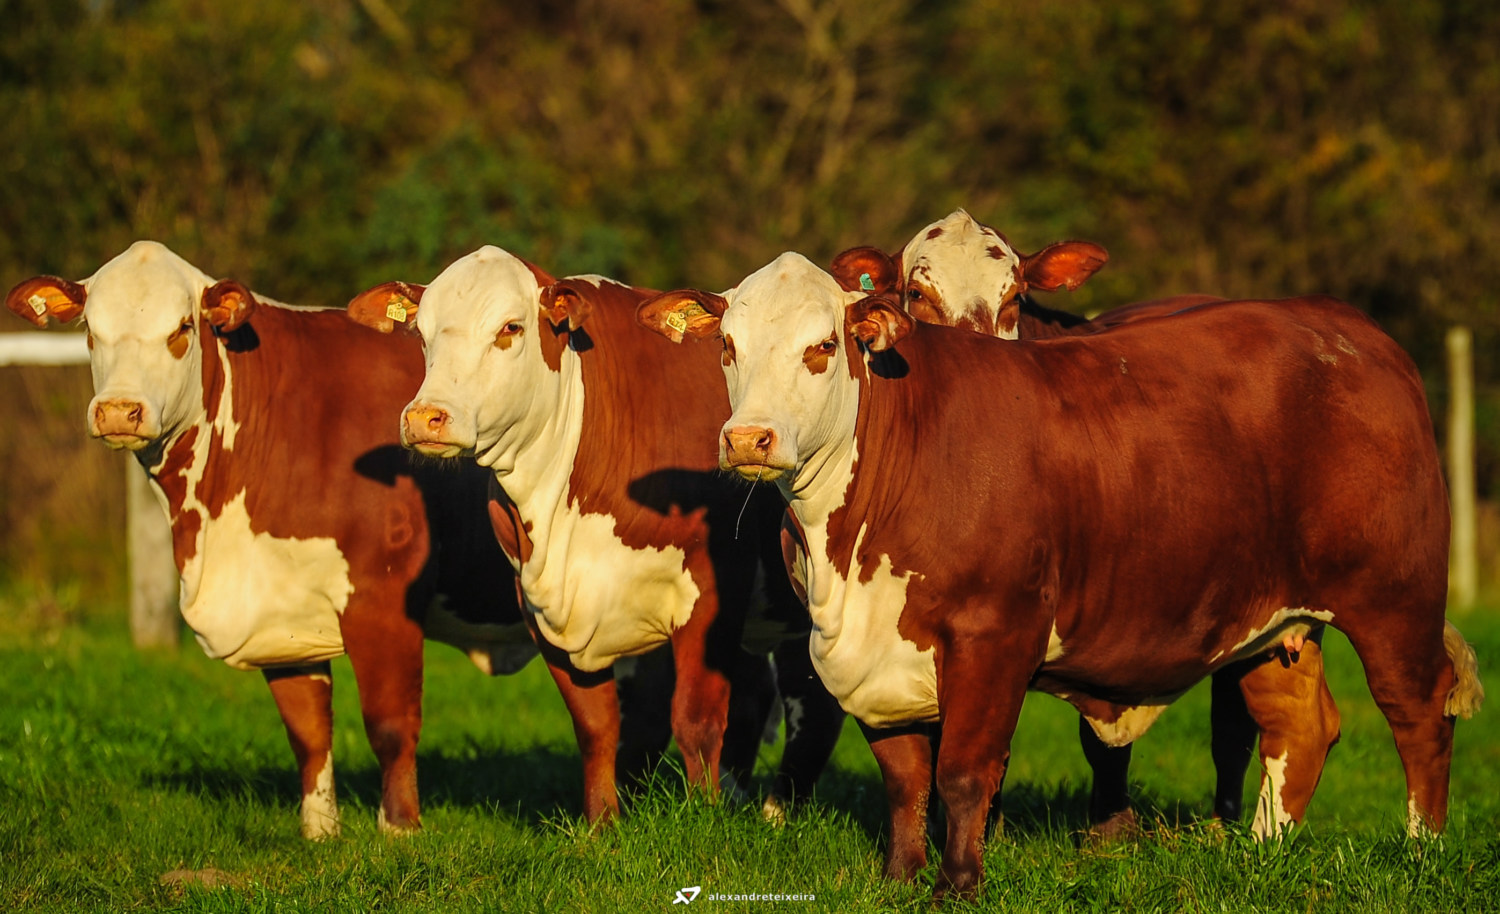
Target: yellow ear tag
[395, 311]
[38, 303]
[677, 321]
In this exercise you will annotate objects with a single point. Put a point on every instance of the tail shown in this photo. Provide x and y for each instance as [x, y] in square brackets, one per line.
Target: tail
[1467, 693]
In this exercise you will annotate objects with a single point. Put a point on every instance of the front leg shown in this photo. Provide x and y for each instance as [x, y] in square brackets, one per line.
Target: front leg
[905, 758]
[304, 696]
[980, 702]
[705, 651]
[594, 705]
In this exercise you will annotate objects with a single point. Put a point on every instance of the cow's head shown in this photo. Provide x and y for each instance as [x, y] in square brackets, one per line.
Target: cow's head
[791, 340]
[149, 313]
[962, 273]
[492, 329]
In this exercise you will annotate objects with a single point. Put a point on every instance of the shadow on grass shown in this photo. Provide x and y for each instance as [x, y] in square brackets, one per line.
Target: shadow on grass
[529, 786]
[1030, 810]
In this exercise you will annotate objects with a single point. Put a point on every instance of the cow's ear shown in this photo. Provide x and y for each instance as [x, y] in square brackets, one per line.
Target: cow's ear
[1062, 265]
[566, 301]
[878, 321]
[866, 269]
[227, 305]
[387, 305]
[42, 298]
[683, 313]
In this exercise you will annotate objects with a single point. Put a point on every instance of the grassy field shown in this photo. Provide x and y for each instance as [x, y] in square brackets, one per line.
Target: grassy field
[120, 771]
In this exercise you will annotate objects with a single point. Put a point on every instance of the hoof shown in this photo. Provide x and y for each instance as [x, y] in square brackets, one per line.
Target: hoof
[1118, 827]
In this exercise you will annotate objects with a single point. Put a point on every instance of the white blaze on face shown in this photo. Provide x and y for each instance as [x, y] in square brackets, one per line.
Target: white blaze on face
[963, 271]
[137, 305]
[480, 322]
[775, 320]
[1271, 818]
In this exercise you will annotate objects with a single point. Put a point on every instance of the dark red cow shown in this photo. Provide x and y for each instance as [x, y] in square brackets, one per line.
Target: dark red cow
[623, 532]
[300, 527]
[1163, 500]
[960, 272]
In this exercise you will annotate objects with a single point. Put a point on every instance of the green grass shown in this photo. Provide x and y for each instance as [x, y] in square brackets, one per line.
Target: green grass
[117, 767]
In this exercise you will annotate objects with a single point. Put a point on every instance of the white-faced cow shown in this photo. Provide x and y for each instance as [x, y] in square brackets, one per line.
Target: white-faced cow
[300, 527]
[623, 532]
[1161, 500]
[962, 273]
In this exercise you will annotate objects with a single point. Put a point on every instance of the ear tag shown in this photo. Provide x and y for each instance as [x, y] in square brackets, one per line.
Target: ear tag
[38, 303]
[865, 285]
[677, 321]
[394, 310]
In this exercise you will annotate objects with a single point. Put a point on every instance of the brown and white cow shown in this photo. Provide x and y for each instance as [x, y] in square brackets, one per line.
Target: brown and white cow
[1163, 500]
[962, 273]
[301, 529]
[623, 532]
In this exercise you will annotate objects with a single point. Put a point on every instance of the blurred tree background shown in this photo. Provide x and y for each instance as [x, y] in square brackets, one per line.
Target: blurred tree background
[313, 148]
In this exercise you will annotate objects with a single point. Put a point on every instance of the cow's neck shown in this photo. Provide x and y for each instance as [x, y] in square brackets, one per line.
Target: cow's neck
[533, 460]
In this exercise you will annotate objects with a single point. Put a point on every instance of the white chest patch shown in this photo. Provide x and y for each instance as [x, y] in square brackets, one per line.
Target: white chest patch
[255, 600]
[875, 674]
[599, 599]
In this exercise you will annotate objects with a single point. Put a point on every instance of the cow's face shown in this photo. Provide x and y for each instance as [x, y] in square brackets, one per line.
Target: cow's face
[790, 335]
[487, 374]
[143, 311]
[962, 273]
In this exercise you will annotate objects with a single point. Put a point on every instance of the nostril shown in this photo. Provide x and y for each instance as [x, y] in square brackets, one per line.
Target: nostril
[435, 420]
[135, 415]
[764, 442]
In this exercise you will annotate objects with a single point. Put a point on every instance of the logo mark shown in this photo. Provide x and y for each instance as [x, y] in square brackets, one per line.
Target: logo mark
[686, 895]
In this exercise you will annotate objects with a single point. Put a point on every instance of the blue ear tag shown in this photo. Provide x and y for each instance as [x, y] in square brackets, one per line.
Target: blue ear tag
[864, 283]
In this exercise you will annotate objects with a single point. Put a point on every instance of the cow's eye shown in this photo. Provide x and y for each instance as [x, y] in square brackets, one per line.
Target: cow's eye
[180, 338]
[509, 334]
[913, 294]
[828, 346]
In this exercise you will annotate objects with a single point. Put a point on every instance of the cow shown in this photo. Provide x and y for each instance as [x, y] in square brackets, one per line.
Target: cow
[1162, 500]
[962, 273]
[623, 532]
[301, 529]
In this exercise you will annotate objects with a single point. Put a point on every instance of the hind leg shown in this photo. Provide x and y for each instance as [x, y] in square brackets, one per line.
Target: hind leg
[1110, 814]
[1233, 735]
[1289, 699]
[813, 723]
[1410, 676]
[386, 655]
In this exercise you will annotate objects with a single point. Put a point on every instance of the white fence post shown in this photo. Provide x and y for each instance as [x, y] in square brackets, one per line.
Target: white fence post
[1463, 565]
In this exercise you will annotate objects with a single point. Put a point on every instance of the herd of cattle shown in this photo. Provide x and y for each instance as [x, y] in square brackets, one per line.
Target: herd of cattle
[1106, 510]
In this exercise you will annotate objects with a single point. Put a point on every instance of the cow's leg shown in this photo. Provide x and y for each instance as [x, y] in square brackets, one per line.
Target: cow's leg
[644, 685]
[1110, 814]
[304, 696]
[981, 704]
[752, 694]
[705, 655]
[594, 705]
[905, 758]
[1232, 735]
[387, 662]
[1289, 699]
[813, 723]
[1410, 676]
